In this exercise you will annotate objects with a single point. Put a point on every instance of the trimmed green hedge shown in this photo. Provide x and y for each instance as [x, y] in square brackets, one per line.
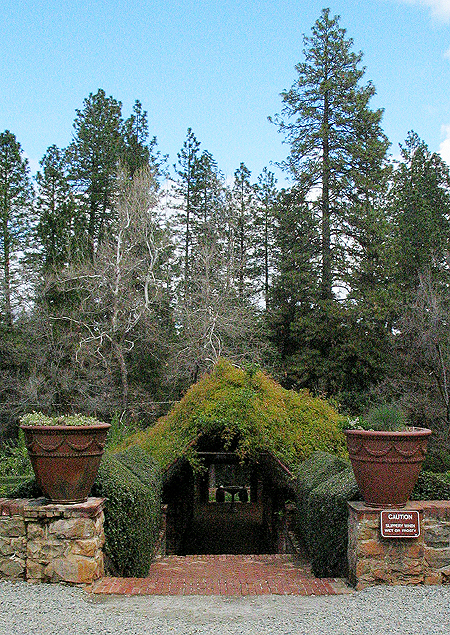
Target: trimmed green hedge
[327, 518]
[319, 467]
[132, 513]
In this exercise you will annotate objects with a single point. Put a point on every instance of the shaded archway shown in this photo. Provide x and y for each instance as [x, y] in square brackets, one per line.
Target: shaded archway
[227, 506]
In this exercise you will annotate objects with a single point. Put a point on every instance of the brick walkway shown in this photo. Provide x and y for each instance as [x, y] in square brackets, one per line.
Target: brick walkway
[228, 575]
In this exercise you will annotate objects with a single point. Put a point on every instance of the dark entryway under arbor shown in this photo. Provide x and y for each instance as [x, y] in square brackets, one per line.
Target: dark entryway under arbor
[251, 519]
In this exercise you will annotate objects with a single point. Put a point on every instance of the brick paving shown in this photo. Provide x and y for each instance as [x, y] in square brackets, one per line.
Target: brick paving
[227, 575]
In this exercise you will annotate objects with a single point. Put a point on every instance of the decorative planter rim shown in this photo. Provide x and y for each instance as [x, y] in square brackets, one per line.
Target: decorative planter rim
[59, 428]
[391, 433]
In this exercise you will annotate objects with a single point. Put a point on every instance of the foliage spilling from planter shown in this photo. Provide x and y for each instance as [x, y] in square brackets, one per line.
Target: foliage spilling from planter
[248, 410]
[324, 485]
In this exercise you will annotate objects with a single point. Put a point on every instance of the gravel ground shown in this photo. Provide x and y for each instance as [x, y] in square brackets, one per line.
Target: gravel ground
[27, 609]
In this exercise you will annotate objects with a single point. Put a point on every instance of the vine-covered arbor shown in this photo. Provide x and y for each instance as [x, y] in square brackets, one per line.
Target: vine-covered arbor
[228, 452]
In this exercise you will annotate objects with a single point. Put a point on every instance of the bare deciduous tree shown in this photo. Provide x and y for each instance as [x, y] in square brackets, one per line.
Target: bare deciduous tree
[117, 294]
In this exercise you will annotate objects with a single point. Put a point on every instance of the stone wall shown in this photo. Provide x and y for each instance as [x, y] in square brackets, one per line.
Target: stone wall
[377, 560]
[42, 542]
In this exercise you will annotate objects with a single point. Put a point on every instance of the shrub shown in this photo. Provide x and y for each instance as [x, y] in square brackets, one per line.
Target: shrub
[311, 473]
[327, 518]
[10, 484]
[14, 461]
[438, 456]
[132, 516]
[26, 489]
[431, 486]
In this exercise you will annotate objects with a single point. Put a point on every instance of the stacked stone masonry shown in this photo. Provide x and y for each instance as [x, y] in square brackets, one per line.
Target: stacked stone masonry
[42, 542]
[376, 560]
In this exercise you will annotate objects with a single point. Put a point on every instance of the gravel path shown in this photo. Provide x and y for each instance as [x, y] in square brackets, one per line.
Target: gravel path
[27, 609]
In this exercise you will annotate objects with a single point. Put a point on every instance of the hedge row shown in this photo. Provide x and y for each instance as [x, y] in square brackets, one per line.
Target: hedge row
[131, 483]
[132, 512]
[323, 511]
[311, 473]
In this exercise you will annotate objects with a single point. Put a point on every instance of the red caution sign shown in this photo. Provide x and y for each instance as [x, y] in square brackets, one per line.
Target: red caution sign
[399, 524]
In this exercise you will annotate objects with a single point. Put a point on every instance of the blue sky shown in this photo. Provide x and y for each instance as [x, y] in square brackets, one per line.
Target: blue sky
[216, 66]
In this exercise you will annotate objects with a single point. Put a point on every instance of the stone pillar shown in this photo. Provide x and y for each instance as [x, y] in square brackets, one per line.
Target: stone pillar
[13, 541]
[375, 560]
[51, 542]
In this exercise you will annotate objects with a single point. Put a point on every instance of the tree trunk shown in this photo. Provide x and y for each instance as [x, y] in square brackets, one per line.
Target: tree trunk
[327, 282]
[118, 351]
[7, 274]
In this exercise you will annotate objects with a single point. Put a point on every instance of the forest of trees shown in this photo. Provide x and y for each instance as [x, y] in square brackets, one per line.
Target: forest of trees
[124, 277]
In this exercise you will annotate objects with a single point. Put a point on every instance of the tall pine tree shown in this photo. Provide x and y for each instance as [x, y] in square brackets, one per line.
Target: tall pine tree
[16, 197]
[337, 145]
[55, 205]
[421, 214]
[93, 159]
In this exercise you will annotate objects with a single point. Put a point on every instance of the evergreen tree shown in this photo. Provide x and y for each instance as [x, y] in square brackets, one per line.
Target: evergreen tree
[93, 158]
[294, 292]
[56, 210]
[242, 213]
[337, 145]
[138, 151]
[16, 196]
[186, 170]
[267, 195]
[209, 198]
[421, 214]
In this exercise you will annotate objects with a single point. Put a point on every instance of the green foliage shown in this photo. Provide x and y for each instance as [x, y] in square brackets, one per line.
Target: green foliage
[421, 207]
[437, 458]
[56, 209]
[250, 413]
[40, 419]
[431, 486]
[132, 512]
[14, 461]
[336, 139]
[9, 484]
[119, 431]
[384, 418]
[92, 160]
[327, 517]
[319, 467]
[16, 221]
[25, 489]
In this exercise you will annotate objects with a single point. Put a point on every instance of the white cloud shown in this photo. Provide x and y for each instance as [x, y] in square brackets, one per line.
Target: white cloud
[444, 148]
[439, 8]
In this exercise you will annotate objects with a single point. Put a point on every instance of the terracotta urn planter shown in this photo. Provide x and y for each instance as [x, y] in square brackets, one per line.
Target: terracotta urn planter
[387, 464]
[65, 458]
